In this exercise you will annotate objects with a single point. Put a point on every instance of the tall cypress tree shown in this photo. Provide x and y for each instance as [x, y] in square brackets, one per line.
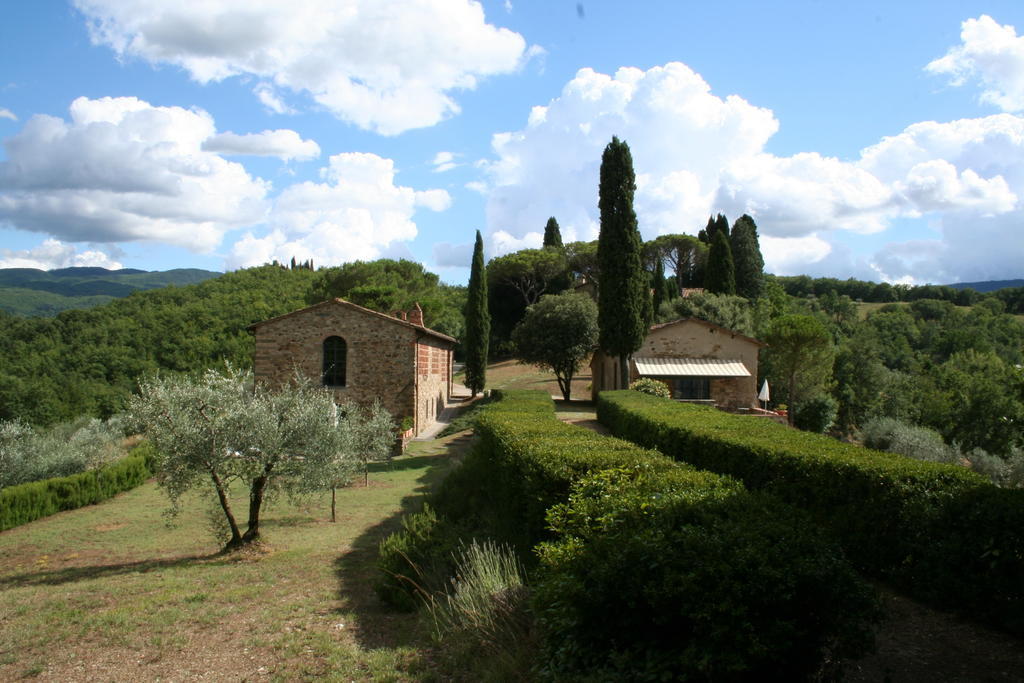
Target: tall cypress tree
[659, 285]
[623, 289]
[478, 322]
[746, 256]
[552, 235]
[721, 274]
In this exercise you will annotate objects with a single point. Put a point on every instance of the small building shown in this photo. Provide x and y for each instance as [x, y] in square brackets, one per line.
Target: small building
[361, 355]
[699, 361]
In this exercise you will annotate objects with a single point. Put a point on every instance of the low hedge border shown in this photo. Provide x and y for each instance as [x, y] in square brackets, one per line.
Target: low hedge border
[26, 503]
[642, 567]
[940, 532]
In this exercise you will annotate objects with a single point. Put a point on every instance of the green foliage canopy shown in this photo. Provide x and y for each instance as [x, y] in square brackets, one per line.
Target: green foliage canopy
[558, 334]
[623, 294]
[478, 322]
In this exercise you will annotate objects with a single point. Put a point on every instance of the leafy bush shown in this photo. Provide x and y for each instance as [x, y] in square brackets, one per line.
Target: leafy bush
[816, 414]
[646, 385]
[1006, 472]
[904, 520]
[29, 454]
[632, 544]
[675, 576]
[28, 502]
[486, 613]
[416, 561]
[920, 443]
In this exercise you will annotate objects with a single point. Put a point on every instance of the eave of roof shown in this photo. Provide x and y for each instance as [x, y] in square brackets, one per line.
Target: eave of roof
[690, 367]
[361, 309]
[725, 330]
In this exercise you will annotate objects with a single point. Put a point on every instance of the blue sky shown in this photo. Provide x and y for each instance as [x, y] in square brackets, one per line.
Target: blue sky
[870, 140]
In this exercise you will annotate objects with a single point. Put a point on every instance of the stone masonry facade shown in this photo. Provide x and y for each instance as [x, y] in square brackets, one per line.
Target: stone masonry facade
[693, 338]
[391, 358]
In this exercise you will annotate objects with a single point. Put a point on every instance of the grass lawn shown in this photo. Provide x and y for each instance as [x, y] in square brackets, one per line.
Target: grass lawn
[109, 592]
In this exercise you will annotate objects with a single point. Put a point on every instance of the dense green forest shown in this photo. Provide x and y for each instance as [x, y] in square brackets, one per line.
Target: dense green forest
[32, 292]
[86, 362]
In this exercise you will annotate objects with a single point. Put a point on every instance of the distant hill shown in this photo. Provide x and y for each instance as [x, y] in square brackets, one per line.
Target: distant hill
[988, 285]
[32, 292]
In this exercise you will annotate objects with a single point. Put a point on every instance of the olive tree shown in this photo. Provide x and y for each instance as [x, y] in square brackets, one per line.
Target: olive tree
[220, 429]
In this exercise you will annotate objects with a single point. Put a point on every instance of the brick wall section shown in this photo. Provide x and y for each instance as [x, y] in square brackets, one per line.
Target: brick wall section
[382, 355]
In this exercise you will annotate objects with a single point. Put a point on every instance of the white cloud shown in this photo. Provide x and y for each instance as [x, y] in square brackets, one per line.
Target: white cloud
[384, 66]
[993, 54]
[271, 100]
[790, 255]
[123, 170]
[696, 153]
[444, 161]
[358, 212]
[284, 144]
[55, 254]
[7, 114]
[680, 135]
[505, 243]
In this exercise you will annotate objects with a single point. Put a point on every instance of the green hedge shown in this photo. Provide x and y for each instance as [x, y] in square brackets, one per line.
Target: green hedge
[941, 532]
[643, 568]
[25, 503]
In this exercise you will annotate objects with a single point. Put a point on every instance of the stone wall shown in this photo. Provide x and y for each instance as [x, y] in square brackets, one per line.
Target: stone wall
[379, 362]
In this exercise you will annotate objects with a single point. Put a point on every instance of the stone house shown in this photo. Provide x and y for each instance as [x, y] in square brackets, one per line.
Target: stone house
[361, 355]
[699, 361]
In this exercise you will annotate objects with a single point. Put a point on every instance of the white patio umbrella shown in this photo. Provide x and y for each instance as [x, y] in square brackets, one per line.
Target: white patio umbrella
[764, 396]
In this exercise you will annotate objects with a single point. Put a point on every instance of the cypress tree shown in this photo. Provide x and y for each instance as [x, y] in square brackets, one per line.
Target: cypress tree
[478, 322]
[659, 286]
[552, 235]
[623, 289]
[746, 256]
[721, 274]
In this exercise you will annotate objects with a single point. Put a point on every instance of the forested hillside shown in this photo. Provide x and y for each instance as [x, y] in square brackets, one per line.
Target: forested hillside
[86, 362]
[32, 292]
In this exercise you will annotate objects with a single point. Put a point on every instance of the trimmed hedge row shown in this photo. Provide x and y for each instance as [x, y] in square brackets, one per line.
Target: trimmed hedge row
[648, 569]
[941, 532]
[25, 503]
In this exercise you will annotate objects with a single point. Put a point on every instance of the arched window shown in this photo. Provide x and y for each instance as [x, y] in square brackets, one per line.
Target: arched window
[335, 351]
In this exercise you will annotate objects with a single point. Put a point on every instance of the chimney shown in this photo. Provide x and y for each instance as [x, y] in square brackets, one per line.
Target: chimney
[416, 315]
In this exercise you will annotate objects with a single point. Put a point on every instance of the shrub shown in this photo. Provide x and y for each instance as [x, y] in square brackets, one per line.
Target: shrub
[25, 503]
[816, 414]
[920, 443]
[416, 561]
[632, 544]
[904, 520]
[646, 385]
[673, 576]
[486, 613]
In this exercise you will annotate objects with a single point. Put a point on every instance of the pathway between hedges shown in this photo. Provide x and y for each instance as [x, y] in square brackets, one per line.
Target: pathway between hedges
[915, 642]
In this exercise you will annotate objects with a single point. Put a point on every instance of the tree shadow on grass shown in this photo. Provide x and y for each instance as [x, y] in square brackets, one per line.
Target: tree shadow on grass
[379, 625]
[57, 577]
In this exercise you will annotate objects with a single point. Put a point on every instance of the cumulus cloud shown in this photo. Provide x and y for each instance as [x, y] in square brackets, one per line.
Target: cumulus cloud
[284, 144]
[991, 53]
[121, 170]
[7, 114]
[55, 254]
[696, 153]
[387, 67]
[358, 212]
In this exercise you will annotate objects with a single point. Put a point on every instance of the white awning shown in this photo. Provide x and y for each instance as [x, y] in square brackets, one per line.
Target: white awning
[690, 367]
